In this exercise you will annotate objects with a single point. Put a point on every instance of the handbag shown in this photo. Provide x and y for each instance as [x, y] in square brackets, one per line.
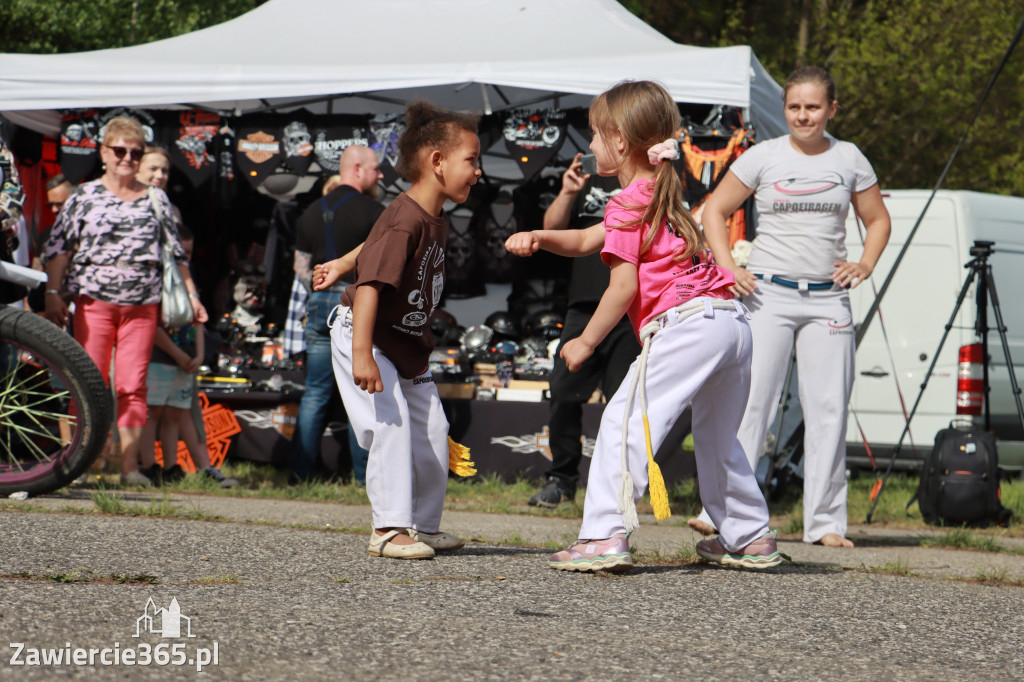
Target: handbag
[175, 306]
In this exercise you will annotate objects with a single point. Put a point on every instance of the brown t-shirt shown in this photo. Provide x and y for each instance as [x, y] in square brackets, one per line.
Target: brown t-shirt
[405, 253]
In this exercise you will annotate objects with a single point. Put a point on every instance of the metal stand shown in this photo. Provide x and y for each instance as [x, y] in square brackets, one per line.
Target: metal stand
[980, 269]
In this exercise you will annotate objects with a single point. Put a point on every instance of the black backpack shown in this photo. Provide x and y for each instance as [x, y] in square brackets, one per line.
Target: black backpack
[960, 480]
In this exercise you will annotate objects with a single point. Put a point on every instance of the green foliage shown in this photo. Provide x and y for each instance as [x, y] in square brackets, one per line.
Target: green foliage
[909, 75]
[47, 26]
[961, 538]
[912, 85]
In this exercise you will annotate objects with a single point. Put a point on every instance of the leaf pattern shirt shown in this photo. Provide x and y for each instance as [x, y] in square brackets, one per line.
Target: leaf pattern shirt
[114, 245]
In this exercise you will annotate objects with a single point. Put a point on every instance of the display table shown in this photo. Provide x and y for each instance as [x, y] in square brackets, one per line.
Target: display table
[506, 438]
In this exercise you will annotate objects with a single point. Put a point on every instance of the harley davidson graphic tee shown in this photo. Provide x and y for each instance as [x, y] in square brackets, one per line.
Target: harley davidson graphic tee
[405, 253]
[802, 204]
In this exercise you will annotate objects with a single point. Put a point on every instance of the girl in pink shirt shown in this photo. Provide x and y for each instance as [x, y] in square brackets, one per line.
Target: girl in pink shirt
[696, 344]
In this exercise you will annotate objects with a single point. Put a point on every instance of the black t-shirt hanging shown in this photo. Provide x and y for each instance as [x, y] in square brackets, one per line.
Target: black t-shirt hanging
[531, 200]
[145, 119]
[297, 144]
[385, 129]
[258, 149]
[79, 146]
[189, 136]
[490, 130]
[224, 178]
[332, 134]
[533, 138]
[461, 258]
[493, 223]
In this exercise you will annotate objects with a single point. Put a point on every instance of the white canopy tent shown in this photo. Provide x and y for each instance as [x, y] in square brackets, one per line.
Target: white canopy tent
[355, 56]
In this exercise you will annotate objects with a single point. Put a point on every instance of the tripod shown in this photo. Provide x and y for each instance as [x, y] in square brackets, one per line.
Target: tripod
[979, 269]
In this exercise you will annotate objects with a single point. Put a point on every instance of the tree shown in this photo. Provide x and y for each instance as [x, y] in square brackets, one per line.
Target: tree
[912, 85]
[48, 26]
[909, 74]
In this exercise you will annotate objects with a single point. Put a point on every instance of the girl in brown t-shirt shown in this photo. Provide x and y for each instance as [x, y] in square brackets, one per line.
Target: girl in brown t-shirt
[381, 340]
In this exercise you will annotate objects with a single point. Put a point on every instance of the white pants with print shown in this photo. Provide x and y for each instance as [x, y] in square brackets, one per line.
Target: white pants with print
[703, 360]
[821, 324]
[406, 432]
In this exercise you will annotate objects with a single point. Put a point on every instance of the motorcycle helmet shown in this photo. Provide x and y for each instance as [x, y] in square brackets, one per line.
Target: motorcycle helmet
[444, 328]
[546, 323]
[476, 339]
[503, 324]
[534, 347]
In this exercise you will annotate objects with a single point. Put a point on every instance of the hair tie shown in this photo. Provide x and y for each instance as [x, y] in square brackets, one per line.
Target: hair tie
[663, 151]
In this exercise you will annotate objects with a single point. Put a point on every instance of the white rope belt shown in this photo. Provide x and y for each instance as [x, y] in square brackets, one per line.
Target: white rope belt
[332, 317]
[669, 318]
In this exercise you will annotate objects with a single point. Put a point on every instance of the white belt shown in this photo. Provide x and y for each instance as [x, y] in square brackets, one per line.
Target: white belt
[676, 315]
[332, 317]
[671, 317]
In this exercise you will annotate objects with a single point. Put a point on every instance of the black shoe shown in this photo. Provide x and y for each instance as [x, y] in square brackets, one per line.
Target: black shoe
[172, 475]
[153, 473]
[554, 493]
[215, 474]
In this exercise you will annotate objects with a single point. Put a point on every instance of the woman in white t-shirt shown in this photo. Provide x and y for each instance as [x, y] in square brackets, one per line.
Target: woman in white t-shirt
[797, 282]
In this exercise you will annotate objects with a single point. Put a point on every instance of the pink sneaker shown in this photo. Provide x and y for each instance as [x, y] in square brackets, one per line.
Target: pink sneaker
[610, 555]
[761, 553]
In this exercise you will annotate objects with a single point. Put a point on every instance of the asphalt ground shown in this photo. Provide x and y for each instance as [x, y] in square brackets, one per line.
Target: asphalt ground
[286, 591]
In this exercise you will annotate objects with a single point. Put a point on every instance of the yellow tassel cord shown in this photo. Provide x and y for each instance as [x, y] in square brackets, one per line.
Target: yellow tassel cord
[656, 482]
[458, 459]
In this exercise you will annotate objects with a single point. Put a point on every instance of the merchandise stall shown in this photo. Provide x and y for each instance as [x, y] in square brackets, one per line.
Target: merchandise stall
[265, 104]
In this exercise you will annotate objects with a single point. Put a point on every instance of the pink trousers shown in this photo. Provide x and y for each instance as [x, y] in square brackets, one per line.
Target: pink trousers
[100, 327]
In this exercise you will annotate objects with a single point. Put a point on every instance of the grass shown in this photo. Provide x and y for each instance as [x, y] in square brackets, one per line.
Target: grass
[999, 577]
[110, 502]
[84, 575]
[514, 540]
[219, 579]
[491, 494]
[901, 568]
[962, 538]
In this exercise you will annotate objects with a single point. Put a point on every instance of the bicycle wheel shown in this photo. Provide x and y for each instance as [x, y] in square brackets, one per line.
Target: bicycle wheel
[55, 410]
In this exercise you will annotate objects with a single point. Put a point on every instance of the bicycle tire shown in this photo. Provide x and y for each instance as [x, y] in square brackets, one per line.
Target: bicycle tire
[47, 381]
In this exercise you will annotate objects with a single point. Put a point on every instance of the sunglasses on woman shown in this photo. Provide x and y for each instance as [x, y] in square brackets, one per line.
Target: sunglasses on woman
[119, 152]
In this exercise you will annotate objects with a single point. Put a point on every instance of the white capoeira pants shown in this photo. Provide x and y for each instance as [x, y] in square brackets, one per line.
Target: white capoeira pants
[821, 323]
[703, 360]
[406, 432]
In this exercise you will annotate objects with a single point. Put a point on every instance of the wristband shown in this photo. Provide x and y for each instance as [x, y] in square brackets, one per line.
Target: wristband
[193, 295]
[52, 291]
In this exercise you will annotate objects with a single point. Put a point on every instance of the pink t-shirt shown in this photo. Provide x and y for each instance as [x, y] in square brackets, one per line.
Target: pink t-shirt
[664, 282]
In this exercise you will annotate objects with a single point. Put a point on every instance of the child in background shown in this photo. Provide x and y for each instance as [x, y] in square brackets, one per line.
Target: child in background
[696, 343]
[381, 338]
[170, 386]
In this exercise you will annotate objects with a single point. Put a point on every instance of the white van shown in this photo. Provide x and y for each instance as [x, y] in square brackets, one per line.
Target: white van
[901, 340]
